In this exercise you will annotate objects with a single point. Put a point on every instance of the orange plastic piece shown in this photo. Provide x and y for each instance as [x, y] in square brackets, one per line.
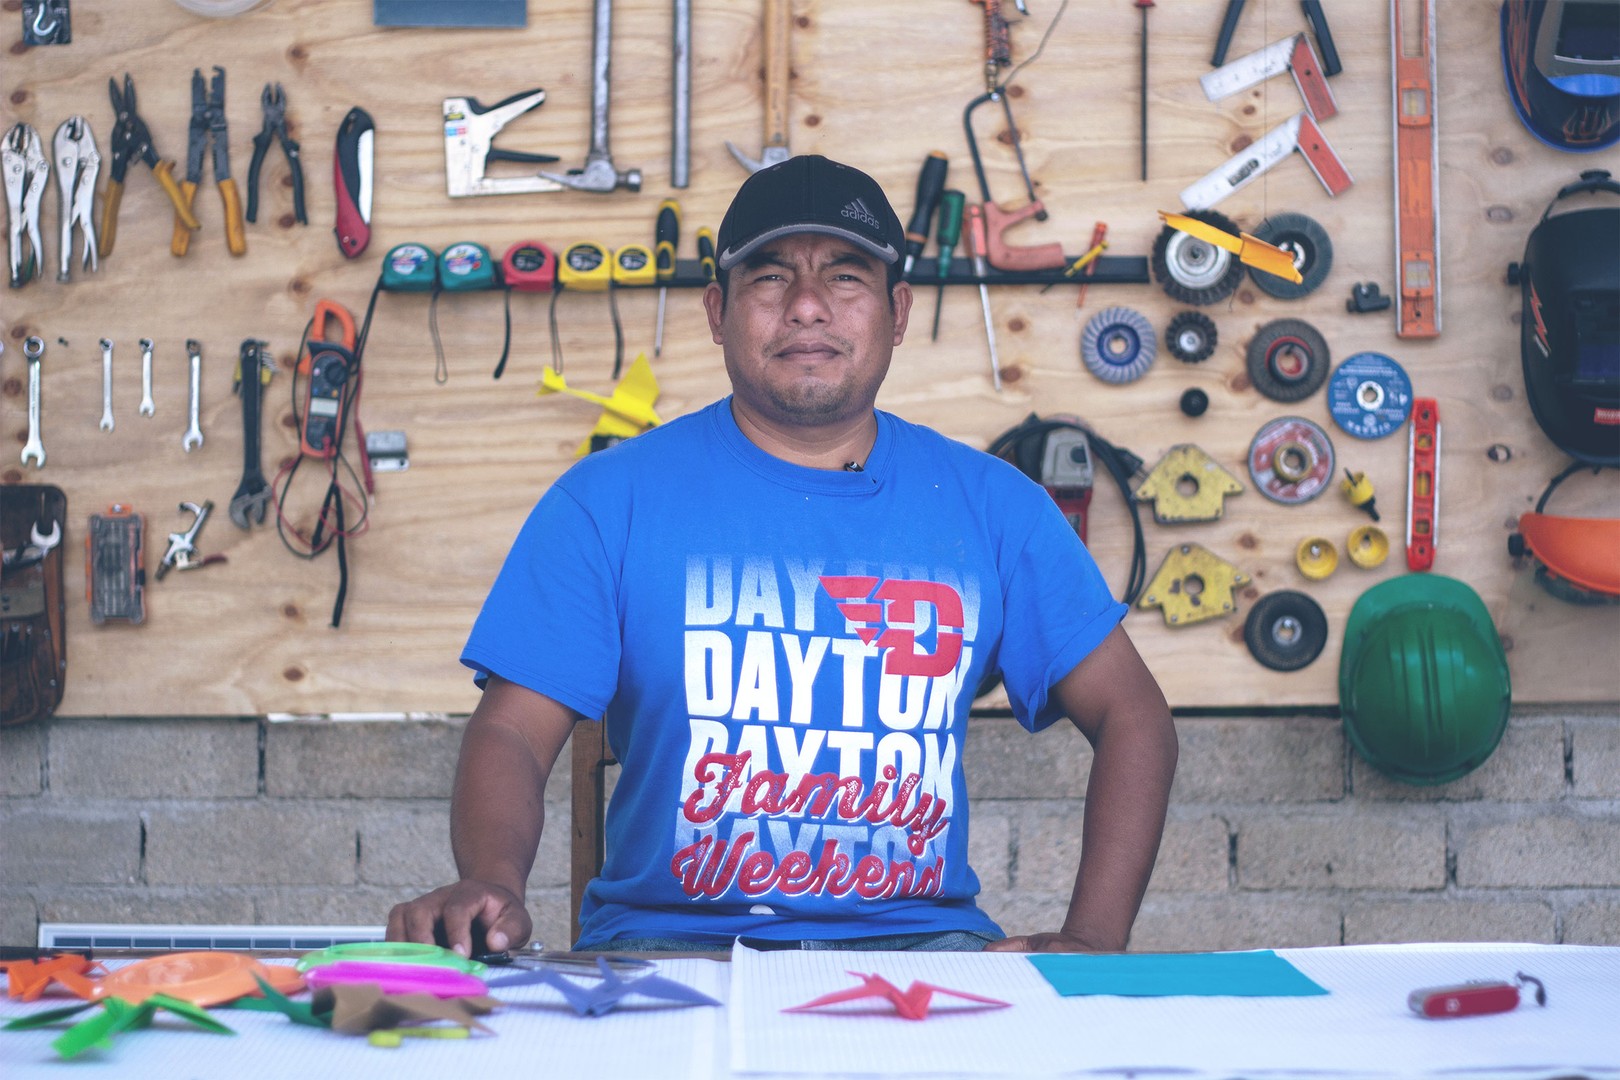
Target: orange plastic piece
[27, 980]
[202, 978]
[1579, 550]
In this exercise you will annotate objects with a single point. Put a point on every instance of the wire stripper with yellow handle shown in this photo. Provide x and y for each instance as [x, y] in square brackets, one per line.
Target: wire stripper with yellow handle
[208, 119]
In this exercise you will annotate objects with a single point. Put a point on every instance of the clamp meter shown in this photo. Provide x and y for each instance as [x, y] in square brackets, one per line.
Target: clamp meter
[633, 264]
[585, 266]
[466, 267]
[529, 266]
[409, 268]
[329, 367]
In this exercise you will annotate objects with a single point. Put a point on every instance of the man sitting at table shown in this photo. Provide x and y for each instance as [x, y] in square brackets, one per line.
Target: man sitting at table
[782, 605]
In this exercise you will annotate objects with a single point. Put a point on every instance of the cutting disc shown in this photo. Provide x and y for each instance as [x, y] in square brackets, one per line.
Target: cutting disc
[1285, 630]
[1118, 345]
[1291, 460]
[1369, 396]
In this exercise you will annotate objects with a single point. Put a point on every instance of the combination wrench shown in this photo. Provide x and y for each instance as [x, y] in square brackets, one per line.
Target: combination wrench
[193, 437]
[147, 407]
[106, 384]
[33, 351]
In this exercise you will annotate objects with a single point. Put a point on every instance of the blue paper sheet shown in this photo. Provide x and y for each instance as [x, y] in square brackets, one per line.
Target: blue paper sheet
[1235, 974]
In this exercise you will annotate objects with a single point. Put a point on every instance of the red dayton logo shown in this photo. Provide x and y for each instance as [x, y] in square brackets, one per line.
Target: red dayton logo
[862, 600]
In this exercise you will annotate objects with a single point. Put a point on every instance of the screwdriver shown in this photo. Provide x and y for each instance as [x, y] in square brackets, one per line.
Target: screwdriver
[979, 248]
[950, 231]
[1144, 5]
[705, 240]
[930, 182]
[666, 237]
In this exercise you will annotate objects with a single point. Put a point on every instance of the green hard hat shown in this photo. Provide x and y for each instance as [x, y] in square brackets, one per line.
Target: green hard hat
[1423, 681]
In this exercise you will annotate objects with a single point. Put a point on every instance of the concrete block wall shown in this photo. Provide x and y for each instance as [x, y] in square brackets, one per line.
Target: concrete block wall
[1278, 834]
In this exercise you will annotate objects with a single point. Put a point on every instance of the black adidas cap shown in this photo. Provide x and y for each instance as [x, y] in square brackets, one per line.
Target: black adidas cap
[810, 194]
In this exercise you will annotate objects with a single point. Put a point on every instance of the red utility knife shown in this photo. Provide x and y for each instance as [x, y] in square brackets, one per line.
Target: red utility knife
[1472, 998]
[352, 177]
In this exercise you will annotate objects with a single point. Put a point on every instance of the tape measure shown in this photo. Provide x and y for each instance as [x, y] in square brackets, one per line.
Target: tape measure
[585, 266]
[529, 266]
[466, 267]
[409, 268]
[633, 264]
[1369, 396]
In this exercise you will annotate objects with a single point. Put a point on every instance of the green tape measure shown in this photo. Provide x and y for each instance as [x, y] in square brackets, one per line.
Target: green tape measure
[466, 267]
[409, 268]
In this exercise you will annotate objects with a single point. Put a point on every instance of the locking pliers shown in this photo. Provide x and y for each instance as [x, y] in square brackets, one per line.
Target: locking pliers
[77, 163]
[27, 172]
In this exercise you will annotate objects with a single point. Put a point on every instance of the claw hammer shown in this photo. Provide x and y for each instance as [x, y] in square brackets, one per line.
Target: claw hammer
[777, 74]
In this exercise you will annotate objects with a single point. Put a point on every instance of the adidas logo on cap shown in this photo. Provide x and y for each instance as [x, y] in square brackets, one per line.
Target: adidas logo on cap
[857, 210]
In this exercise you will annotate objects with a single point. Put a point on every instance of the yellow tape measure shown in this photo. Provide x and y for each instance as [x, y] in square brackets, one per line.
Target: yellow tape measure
[586, 266]
[633, 265]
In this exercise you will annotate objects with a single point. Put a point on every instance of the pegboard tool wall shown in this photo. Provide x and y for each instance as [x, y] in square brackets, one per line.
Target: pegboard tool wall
[878, 85]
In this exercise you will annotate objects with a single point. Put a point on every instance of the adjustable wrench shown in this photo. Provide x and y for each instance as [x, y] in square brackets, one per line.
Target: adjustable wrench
[253, 493]
[598, 173]
[33, 350]
[106, 384]
[193, 437]
[147, 407]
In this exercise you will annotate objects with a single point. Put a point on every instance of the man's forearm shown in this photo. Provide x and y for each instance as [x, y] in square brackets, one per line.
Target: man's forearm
[497, 810]
[1126, 799]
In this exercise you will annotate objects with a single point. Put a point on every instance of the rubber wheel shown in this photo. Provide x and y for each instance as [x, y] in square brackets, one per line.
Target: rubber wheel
[1195, 271]
[1288, 360]
[1307, 242]
[1190, 337]
[1285, 630]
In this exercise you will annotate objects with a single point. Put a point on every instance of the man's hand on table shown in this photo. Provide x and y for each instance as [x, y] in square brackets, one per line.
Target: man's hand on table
[1058, 942]
[447, 916]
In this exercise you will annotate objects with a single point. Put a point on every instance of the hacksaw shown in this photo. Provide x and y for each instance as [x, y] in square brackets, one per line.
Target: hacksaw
[1417, 178]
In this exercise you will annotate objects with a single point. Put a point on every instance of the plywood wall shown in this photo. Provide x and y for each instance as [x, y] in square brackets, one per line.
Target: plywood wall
[878, 85]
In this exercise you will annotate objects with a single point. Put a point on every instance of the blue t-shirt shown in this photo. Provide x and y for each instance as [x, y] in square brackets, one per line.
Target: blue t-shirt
[785, 658]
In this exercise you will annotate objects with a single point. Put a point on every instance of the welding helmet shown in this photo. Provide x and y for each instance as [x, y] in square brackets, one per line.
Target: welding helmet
[1423, 680]
[1569, 334]
[1562, 63]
